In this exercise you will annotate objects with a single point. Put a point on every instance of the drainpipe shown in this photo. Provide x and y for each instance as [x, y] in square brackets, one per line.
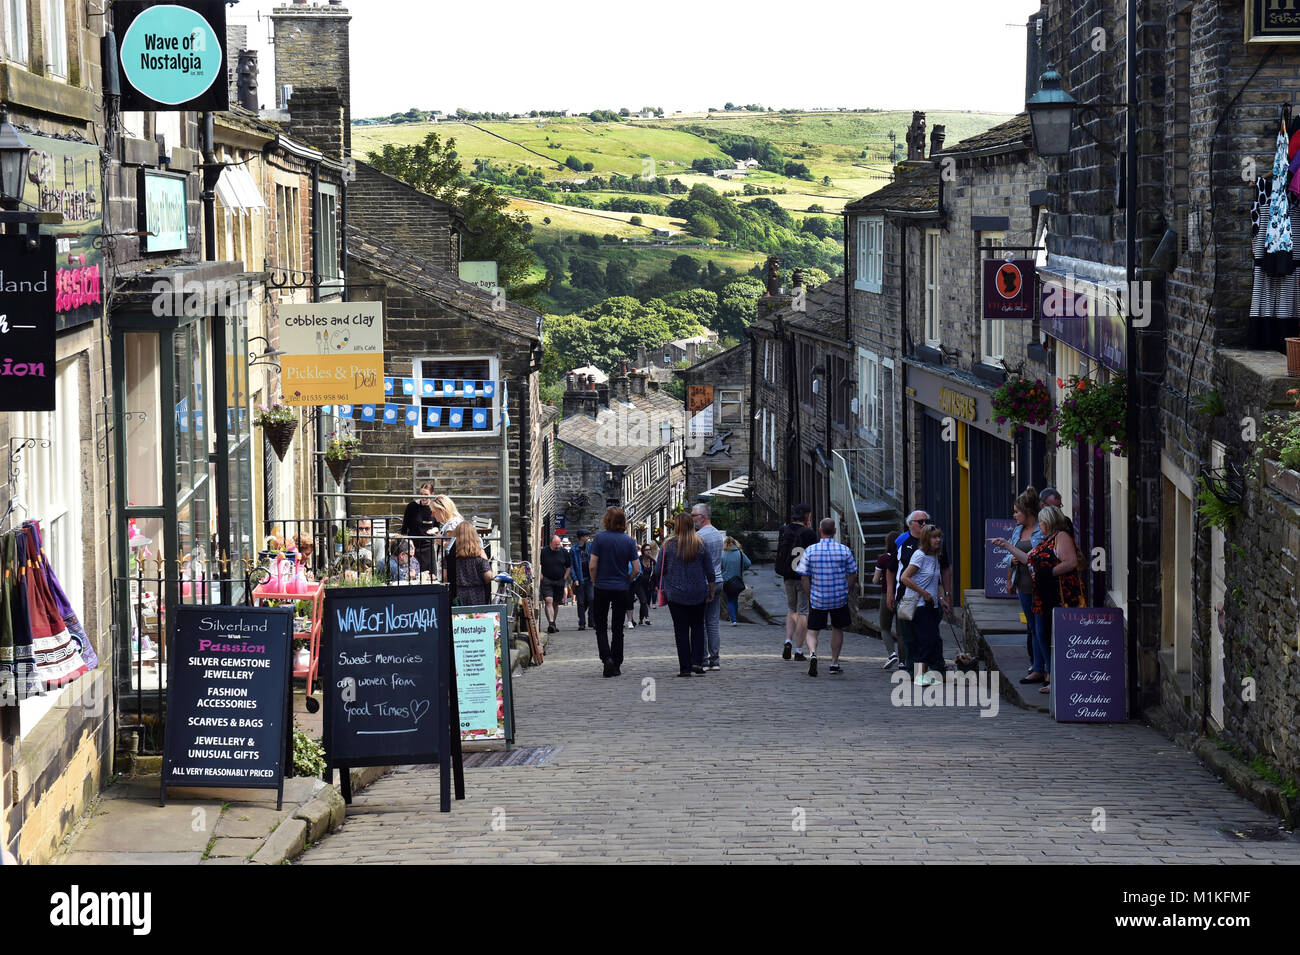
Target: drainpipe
[905, 350]
[211, 172]
[318, 460]
[753, 400]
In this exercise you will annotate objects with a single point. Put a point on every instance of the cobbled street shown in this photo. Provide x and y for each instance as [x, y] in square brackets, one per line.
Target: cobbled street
[760, 763]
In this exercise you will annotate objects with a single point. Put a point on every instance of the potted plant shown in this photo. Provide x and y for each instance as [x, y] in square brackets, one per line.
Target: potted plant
[1092, 413]
[339, 453]
[1279, 448]
[279, 422]
[1019, 401]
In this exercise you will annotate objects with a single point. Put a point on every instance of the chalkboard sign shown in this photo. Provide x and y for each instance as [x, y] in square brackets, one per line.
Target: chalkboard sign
[482, 639]
[227, 698]
[390, 687]
[1088, 683]
[997, 562]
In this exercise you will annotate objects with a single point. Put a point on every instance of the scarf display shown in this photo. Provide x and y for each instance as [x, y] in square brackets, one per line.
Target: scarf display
[43, 645]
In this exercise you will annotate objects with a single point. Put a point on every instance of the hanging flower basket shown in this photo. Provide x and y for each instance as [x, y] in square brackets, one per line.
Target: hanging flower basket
[1092, 413]
[281, 437]
[279, 422]
[1020, 402]
[339, 468]
[1293, 357]
[339, 452]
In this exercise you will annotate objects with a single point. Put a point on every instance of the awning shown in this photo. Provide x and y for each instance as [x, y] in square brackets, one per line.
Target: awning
[734, 489]
[237, 190]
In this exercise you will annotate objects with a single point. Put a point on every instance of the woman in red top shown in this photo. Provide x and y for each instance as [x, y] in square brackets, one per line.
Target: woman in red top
[1054, 564]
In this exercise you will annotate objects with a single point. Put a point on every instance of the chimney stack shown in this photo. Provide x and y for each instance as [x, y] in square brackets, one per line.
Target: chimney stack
[916, 137]
[246, 80]
[936, 140]
[312, 55]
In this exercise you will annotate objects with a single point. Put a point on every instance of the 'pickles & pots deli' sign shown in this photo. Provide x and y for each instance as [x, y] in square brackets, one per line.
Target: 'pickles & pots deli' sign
[172, 55]
[333, 353]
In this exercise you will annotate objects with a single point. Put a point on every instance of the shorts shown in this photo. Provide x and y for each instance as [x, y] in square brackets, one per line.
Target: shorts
[552, 588]
[839, 618]
[796, 598]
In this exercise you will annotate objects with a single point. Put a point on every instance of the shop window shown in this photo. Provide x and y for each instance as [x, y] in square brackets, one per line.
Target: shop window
[15, 32]
[431, 374]
[55, 28]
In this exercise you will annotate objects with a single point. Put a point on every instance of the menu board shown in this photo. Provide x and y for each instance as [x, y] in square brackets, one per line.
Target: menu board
[1088, 665]
[389, 684]
[227, 697]
[997, 562]
[481, 636]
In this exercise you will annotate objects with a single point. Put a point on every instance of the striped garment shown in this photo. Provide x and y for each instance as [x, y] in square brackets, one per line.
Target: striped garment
[828, 564]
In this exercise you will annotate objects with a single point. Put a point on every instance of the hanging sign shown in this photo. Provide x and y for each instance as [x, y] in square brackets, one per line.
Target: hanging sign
[227, 698]
[1008, 289]
[1088, 665]
[997, 562]
[390, 681]
[482, 639]
[333, 353]
[162, 211]
[172, 55]
[27, 302]
[699, 403]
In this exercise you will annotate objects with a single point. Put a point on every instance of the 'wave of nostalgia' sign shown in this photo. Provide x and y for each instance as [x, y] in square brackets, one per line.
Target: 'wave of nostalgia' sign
[172, 54]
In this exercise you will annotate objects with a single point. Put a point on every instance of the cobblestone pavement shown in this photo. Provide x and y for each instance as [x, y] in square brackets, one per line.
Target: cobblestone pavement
[760, 763]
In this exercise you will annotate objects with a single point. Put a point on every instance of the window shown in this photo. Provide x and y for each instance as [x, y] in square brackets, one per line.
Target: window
[431, 376]
[168, 126]
[719, 476]
[55, 28]
[767, 360]
[730, 406]
[288, 238]
[871, 254]
[15, 31]
[837, 380]
[327, 251]
[885, 417]
[771, 440]
[133, 123]
[868, 394]
[932, 287]
[993, 334]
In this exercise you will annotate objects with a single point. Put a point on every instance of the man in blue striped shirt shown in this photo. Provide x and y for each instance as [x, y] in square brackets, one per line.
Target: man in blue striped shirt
[830, 574]
[579, 554]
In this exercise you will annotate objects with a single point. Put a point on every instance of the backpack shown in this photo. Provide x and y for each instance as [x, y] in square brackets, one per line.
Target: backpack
[786, 543]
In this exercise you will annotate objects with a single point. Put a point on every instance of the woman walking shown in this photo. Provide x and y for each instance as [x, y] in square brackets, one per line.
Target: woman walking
[612, 553]
[473, 581]
[687, 578]
[734, 565]
[646, 582]
[1020, 580]
[924, 577]
[1054, 564]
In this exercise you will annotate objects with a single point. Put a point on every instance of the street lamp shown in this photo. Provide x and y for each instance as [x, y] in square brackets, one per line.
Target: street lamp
[15, 155]
[1051, 115]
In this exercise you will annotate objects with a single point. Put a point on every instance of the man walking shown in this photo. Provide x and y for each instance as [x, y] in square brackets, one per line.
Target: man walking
[901, 555]
[555, 579]
[795, 538]
[713, 539]
[830, 573]
[579, 554]
[610, 567]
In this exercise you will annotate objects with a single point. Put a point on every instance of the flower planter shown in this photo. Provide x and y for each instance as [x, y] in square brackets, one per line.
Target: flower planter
[280, 436]
[1282, 479]
[338, 468]
[1293, 357]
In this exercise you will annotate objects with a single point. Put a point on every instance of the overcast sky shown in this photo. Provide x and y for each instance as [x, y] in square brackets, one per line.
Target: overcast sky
[508, 55]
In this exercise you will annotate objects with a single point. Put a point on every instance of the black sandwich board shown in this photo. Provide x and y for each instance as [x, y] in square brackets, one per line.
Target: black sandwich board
[388, 672]
[228, 700]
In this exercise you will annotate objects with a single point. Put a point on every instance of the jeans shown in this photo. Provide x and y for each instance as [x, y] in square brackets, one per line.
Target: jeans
[1043, 642]
[711, 610]
[733, 607]
[906, 639]
[583, 594]
[1027, 602]
[926, 638]
[604, 602]
[892, 639]
[688, 629]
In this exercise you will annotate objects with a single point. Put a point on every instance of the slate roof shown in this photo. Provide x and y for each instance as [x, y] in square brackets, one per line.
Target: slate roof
[423, 277]
[1015, 133]
[822, 315]
[915, 193]
[585, 432]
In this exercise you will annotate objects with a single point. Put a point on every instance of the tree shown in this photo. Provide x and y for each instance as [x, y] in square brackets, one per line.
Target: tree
[585, 273]
[492, 233]
[588, 167]
[574, 163]
[618, 278]
[700, 303]
[703, 226]
[826, 180]
[816, 225]
[636, 220]
[683, 267]
[738, 306]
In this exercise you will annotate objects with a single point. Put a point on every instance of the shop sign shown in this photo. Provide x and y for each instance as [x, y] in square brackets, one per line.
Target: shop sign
[27, 324]
[1009, 289]
[1088, 317]
[997, 562]
[63, 177]
[390, 682]
[333, 353]
[172, 55]
[1272, 21]
[482, 274]
[480, 636]
[699, 406]
[163, 211]
[228, 697]
[957, 404]
[1088, 683]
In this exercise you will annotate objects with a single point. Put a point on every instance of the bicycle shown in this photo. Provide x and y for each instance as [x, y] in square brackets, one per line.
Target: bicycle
[515, 584]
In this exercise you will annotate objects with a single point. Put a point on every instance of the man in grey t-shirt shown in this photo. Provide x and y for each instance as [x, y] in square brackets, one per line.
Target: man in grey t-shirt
[713, 539]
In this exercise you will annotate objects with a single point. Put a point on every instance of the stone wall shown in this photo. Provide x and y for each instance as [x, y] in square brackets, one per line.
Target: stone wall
[413, 220]
[312, 52]
[729, 371]
[770, 495]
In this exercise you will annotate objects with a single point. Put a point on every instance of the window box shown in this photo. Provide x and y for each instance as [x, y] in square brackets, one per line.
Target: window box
[1282, 479]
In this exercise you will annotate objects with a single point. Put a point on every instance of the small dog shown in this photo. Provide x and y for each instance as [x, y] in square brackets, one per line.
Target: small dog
[967, 663]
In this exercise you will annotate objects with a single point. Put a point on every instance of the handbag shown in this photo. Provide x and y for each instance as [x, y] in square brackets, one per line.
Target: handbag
[905, 609]
[733, 587]
[662, 599]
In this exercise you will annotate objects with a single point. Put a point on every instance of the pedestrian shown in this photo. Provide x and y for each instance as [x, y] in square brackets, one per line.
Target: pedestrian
[830, 573]
[793, 539]
[892, 642]
[555, 579]
[924, 575]
[712, 538]
[646, 581]
[579, 577]
[1019, 580]
[688, 580]
[1054, 564]
[473, 570]
[611, 553]
[633, 588]
[402, 563]
[904, 546]
[418, 522]
[1051, 497]
[734, 565]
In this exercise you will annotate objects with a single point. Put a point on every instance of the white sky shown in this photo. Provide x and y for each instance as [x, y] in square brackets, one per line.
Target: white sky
[513, 56]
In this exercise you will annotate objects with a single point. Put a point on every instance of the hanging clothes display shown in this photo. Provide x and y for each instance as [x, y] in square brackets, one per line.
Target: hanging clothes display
[1275, 228]
[63, 606]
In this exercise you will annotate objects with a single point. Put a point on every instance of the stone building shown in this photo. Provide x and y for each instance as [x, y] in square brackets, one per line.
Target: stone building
[720, 452]
[622, 444]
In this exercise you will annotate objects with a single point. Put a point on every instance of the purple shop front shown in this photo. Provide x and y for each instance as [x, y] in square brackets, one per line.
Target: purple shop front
[1088, 684]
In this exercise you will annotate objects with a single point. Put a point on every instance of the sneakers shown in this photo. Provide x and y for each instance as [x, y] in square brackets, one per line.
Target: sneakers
[926, 679]
[644, 623]
[735, 623]
[812, 666]
[835, 668]
[713, 666]
[789, 648]
[631, 625]
[799, 657]
[891, 662]
[550, 628]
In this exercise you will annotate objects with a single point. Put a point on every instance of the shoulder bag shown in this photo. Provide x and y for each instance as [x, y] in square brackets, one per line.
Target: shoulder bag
[662, 599]
[905, 609]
